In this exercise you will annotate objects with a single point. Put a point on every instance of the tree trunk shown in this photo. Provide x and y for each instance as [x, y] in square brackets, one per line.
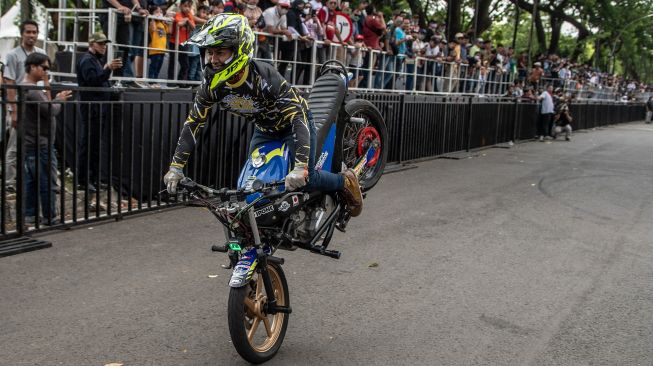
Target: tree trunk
[416, 8]
[556, 26]
[25, 10]
[539, 32]
[580, 46]
[481, 21]
[453, 17]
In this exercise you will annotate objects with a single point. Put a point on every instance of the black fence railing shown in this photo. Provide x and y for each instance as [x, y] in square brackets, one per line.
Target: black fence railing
[99, 160]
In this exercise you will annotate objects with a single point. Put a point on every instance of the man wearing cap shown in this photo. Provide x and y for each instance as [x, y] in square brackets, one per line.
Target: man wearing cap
[92, 71]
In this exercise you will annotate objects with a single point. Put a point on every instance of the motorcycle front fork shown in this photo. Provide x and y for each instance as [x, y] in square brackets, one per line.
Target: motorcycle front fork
[271, 306]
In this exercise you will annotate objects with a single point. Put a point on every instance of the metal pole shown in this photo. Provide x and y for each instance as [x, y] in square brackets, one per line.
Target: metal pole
[146, 50]
[112, 32]
[313, 61]
[176, 68]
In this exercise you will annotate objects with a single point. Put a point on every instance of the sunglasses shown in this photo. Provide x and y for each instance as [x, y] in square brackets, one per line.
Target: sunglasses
[45, 67]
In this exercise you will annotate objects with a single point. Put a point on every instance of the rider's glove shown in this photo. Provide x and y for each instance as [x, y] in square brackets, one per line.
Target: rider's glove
[172, 177]
[296, 178]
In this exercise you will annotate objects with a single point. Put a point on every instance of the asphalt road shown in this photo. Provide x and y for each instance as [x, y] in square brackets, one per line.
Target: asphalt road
[536, 255]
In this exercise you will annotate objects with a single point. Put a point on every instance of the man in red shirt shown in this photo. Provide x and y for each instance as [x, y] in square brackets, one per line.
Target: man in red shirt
[373, 28]
[182, 27]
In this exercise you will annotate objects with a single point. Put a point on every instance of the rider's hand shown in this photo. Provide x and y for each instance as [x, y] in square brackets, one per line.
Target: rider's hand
[172, 177]
[296, 178]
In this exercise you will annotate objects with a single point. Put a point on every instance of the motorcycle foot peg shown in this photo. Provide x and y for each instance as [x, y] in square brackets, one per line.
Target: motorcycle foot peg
[281, 309]
[329, 253]
[332, 253]
[219, 248]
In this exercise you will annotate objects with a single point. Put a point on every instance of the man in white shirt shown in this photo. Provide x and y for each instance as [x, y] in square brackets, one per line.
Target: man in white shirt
[275, 18]
[546, 112]
[13, 74]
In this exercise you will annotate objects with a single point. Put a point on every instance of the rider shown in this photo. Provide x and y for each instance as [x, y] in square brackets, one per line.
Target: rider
[256, 91]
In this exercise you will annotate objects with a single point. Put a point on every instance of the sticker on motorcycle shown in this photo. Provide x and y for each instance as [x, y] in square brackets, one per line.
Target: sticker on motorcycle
[264, 211]
[284, 206]
[295, 200]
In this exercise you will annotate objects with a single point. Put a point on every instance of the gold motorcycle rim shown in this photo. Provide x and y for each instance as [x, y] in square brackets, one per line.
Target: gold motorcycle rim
[263, 330]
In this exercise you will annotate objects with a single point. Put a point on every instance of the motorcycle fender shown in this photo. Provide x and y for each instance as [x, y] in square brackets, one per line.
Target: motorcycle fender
[244, 269]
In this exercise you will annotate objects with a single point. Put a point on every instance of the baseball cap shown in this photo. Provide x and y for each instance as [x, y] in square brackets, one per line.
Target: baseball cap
[98, 37]
[359, 37]
[284, 3]
[537, 64]
[479, 40]
[459, 35]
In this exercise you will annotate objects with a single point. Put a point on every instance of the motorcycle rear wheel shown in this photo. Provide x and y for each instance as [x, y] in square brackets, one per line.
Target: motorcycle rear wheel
[356, 138]
[257, 336]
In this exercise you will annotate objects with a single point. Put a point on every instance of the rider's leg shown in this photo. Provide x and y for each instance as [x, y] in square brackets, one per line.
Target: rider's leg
[322, 180]
[318, 180]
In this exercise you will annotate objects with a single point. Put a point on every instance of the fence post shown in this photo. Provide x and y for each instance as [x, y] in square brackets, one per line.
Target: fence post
[314, 58]
[20, 192]
[469, 123]
[146, 50]
[402, 125]
[515, 118]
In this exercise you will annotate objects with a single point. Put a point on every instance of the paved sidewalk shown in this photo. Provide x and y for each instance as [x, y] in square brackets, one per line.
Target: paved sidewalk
[536, 255]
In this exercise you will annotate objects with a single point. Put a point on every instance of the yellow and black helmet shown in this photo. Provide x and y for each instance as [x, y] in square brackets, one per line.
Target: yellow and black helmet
[227, 30]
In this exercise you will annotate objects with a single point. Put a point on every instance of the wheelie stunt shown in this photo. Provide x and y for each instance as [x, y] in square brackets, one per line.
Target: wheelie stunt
[285, 198]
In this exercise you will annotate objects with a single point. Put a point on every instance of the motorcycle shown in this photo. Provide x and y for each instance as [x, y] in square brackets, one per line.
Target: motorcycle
[260, 217]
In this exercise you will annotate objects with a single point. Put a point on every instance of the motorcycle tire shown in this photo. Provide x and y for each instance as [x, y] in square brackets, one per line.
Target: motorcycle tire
[247, 318]
[355, 136]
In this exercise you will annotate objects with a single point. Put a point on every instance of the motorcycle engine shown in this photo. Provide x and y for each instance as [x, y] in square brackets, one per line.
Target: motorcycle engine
[306, 222]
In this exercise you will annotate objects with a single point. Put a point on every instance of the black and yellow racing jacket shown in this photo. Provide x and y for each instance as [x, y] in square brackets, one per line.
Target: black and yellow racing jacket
[261, 96]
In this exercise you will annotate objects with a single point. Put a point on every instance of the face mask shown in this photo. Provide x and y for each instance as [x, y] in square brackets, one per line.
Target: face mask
[251, 6]
[307, 11]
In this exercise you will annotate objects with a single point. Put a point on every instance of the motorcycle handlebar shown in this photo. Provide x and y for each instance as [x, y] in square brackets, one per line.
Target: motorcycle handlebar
[225, 194]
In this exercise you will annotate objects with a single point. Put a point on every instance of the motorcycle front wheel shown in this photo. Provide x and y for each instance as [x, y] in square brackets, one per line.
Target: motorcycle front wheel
[256, 335]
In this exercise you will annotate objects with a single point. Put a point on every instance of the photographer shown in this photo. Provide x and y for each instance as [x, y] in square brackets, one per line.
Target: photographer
[562, 119]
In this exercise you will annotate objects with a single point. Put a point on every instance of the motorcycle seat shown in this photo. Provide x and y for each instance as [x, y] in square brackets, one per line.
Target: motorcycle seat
[325, 101]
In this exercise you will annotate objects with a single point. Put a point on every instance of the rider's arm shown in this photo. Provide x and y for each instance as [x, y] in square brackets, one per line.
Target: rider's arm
[296, 111]
[195, 121]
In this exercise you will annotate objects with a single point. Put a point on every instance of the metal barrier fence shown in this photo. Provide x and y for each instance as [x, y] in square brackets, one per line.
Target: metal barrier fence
[298, 60]
[100, 160]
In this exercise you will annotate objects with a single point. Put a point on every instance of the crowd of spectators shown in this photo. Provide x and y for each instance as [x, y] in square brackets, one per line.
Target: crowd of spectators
[383, 51]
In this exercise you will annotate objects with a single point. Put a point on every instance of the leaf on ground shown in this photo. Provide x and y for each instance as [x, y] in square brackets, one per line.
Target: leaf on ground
[114, 364]
[373, 265]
